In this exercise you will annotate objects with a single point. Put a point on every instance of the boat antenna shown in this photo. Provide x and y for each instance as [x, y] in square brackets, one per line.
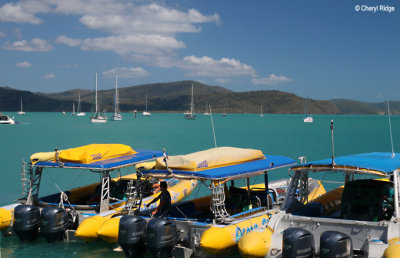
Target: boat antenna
[390, 128]
[212, 124]
[333, 146]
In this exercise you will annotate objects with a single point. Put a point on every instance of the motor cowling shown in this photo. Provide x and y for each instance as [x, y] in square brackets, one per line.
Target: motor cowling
[27, 220]
[162, 235]
[297, 242]
[335, 244]
[131, 235]
[53, 223]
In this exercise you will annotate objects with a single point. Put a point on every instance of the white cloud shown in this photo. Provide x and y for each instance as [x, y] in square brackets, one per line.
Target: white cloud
[146, 18]
[142, 44]
[138, 29]
[22, 12]
[24, 64]
[35, 45]
[126, 72]
[50, 76]
[68, 41]
[209, 67]
[271, 80]
[2, 34]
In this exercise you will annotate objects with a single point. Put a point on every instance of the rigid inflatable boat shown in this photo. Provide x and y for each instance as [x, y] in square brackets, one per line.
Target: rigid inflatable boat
[358, 219]
[56, 215]
[210, 224]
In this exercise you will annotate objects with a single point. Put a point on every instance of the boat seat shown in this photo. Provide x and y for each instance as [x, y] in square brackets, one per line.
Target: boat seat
[238, 197]
[364, 200]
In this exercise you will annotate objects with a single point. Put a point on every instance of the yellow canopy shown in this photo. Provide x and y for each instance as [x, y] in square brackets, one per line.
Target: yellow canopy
[86, 154]
[212, 158]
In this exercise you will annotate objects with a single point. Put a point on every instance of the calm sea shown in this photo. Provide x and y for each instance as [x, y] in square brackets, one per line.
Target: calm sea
[274, 134]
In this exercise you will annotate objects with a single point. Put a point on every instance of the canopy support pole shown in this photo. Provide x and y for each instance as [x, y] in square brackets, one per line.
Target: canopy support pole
[396, 194]
[248, 190]
[266, 184]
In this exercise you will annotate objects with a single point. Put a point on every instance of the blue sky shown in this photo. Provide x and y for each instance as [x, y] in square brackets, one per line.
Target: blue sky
[313, 48]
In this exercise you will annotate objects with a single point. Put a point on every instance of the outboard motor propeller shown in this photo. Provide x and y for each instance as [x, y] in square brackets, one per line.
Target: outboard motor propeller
[162, 235]
[53, 223]
[131, 235]
[27, 219]
[335, 244]
[297, 242]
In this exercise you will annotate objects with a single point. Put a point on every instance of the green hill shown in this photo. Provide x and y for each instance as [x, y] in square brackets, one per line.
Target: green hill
[175, 97]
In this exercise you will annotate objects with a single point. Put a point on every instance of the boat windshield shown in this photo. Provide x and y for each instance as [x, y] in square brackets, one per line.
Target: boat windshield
[349, 196]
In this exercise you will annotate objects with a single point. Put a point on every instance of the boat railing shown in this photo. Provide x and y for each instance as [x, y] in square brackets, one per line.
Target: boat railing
[133, 199]
[26, 175]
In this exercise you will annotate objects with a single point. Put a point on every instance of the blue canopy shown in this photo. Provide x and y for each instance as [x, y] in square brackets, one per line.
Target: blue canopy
[380, 163]
[243, 170]
[108, 164]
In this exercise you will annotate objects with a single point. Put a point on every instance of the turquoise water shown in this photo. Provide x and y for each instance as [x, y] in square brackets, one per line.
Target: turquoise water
[273, 134]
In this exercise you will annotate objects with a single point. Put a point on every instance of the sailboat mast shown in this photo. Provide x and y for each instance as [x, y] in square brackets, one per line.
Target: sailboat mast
[305, 108]
[116, 96]
[95, 96]
[21, 105]
[79, 103]
[191, 103]
[146, 102]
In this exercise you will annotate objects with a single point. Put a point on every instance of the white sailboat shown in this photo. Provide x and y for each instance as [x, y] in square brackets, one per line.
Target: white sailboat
[97, 117]
[117, 115]
[21, 112]
[191, 115]
[261, 112]
[224, 114]
[307, 118]
[146, 113]
[78, 111]
[207, 113]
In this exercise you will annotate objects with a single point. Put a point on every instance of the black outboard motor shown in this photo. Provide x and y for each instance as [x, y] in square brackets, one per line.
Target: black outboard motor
[335, 244]
[297, 242]
[53, 223]
[27, 219]
[131, 235]
[162, 235]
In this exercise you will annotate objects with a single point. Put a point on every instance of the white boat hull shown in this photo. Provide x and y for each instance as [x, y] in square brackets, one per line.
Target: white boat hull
[6, 120]
[308, 119]
[98, 119]
[81, 114]
[146, 113]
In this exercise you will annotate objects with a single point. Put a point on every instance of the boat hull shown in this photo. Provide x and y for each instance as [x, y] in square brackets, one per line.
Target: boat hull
[98, 119]
[308, 119]
[106, 227]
